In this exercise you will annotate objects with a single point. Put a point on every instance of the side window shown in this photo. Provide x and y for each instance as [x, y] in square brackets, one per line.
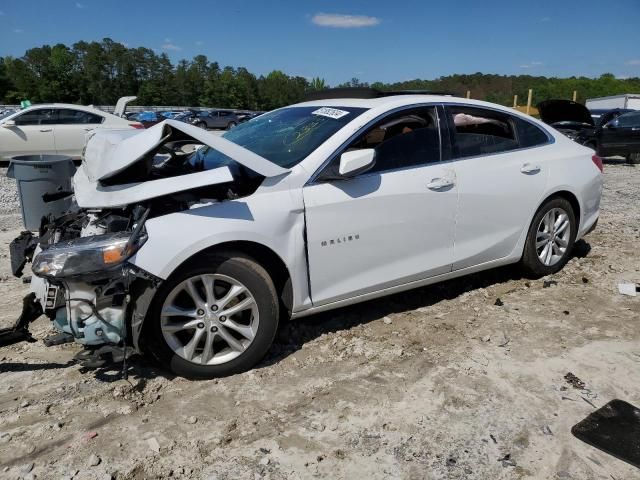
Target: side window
[406, 139]
[42, 116]
[628, 120]
[224, 114]
[67, 116]
[529, 135]
[480, 132]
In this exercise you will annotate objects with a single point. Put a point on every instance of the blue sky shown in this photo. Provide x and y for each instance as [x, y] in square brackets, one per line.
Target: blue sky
[337, 40]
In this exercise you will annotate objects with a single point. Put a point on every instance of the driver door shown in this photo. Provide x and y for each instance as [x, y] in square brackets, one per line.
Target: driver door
[389, 226]
[32, 134]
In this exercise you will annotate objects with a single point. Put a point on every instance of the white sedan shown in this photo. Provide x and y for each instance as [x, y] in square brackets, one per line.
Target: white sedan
[303, 209]
[54, 128]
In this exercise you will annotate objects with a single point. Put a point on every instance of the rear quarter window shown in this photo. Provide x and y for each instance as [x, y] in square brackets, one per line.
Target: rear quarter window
[529, 135]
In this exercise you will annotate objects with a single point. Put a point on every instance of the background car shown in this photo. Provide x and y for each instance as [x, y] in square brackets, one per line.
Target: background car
[53, 128]
[225, 119]
[618, 136]
[601, 116]
[148, 118]
[609, 136]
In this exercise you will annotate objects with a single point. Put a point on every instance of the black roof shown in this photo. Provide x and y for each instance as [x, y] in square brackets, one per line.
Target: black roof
[366, 92]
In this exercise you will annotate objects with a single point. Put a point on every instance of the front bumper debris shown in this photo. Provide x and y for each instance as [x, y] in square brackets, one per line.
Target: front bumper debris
[21, 251]
[31, 310]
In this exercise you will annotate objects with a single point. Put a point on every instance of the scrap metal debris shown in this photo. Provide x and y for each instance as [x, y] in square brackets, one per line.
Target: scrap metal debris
[574, 381]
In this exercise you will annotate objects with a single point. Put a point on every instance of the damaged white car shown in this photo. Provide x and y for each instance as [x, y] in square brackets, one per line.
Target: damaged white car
[195, 257]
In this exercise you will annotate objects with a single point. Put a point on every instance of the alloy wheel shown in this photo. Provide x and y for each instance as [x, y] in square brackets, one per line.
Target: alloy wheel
[209, 319]
[552, 237]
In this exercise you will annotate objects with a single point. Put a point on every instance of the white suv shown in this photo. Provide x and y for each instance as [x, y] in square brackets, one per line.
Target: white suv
[196, 257]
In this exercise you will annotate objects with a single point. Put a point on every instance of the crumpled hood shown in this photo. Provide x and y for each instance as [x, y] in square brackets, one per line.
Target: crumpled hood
[554, 111]
[109, 152]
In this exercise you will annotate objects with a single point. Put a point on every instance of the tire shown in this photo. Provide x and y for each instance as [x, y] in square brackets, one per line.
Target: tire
[541, 230]
[180, 342]
[231, 125]
[201, 125]
[633, 158]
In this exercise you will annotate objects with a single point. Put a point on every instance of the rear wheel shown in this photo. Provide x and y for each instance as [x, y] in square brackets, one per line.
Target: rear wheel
[231, 125]
[216, 318]
[201, 125]
[550, 238]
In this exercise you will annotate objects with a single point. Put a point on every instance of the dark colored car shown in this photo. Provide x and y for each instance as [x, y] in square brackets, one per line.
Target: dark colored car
[603, 115]
[226, 119]
[614, 134]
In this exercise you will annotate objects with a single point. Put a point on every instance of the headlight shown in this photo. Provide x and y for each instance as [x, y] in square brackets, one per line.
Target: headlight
[86, 255]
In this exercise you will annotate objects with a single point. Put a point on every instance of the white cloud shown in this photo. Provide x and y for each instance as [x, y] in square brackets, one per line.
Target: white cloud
[336, 20]
[18, 30]
[169, 45]
[80, 5]
[199, 43]
[545, 19]
[531, 65]
[633, 63]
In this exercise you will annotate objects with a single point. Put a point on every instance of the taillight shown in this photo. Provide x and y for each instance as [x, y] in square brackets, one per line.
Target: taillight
[136, 125]
[598, 163]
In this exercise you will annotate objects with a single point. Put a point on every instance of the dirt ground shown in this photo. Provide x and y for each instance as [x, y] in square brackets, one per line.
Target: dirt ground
[435, 383]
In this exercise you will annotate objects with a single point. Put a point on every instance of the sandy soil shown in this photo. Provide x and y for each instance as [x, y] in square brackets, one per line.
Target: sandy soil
[436, 383]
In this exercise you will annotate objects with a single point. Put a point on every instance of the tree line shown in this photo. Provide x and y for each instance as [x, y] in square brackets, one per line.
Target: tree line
[101, 72]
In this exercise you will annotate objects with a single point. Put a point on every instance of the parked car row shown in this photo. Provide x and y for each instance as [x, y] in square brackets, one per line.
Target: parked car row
[613, 132]
[224, 119]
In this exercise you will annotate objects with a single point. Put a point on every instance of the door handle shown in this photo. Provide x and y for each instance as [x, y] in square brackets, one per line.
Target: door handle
[440, 183]
[45, 129]
[88, 129]
[528, 168]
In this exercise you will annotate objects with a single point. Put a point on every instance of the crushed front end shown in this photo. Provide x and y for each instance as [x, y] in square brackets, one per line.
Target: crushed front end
[82, 281]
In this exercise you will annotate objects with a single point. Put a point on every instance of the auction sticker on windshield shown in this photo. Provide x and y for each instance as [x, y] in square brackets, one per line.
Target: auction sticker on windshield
[330, 112]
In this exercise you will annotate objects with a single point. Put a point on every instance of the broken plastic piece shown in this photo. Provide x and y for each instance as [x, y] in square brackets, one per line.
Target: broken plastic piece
[630, 289]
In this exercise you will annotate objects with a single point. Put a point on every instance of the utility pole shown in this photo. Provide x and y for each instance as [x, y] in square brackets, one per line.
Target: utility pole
[529, 101]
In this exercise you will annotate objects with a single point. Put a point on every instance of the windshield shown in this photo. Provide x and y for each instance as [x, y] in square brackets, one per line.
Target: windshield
[284, 137]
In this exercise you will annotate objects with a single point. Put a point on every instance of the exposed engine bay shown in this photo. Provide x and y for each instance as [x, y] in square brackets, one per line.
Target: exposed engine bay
[82, 280]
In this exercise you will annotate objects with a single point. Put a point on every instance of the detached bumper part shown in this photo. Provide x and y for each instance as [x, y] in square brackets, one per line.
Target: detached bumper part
[21, 251]
[31, 310]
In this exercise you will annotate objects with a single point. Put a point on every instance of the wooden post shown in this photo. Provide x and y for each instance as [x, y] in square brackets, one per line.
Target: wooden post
[468, 93]
[515, 101]
[575, 95]
[529, 101]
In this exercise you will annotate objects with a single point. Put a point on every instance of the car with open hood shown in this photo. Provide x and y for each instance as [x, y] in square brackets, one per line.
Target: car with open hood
[195, 256]
[616, 132]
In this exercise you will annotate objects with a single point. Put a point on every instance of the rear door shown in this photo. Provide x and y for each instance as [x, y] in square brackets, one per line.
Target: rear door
[31, 134]
[71, 128]
[391, 225]
[501, 178]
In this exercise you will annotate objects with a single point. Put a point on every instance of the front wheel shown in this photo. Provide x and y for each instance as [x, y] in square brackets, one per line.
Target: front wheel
[231, 125]
[550, 238]
[633, 158]
[214, 318]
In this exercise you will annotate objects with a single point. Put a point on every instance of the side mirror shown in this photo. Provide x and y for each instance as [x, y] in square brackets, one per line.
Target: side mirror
[356, 162]
[9, 124]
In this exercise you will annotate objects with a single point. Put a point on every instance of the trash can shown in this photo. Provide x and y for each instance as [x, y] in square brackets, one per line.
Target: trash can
[37, 175]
